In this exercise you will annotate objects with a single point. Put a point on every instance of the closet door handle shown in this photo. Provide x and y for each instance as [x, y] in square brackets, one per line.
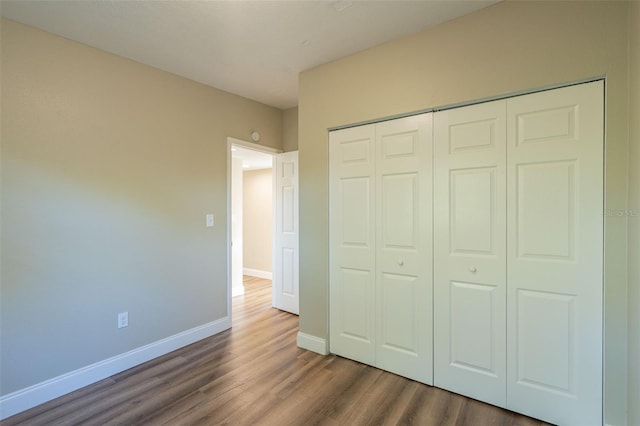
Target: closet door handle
[473, 269]
[401, 262]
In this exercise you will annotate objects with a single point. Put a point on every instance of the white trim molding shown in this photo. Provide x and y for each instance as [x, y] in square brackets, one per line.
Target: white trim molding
[252, 145]
[267, 275]
[40, 393]
[237, 290]
[312, 343]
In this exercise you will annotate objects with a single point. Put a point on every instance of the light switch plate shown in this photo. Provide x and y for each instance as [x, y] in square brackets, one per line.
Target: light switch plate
[123, 319]
[210, 220]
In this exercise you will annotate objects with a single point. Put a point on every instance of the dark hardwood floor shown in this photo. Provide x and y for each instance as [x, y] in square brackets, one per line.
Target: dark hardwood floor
[255, 374]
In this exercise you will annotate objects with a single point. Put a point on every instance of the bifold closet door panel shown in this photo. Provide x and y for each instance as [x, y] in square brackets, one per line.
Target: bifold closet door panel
[404, 247]
[352, 243]
[470, 251]
[555, 254]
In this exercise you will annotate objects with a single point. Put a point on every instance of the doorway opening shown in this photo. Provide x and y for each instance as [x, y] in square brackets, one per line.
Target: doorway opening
[262, 230]
[251, 215]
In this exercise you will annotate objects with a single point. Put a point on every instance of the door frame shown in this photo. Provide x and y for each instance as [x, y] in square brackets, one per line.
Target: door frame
[231, 141]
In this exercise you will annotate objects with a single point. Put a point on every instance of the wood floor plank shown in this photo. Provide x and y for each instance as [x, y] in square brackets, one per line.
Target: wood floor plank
[254, 374]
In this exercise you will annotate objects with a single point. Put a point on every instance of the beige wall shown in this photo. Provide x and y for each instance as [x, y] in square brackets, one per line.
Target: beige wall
[634, 220]
[290, 129]
[509, 47]
[257, 219]
[108, 170]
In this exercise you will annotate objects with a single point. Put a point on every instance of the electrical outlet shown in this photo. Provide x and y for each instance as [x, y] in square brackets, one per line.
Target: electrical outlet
[123, 319]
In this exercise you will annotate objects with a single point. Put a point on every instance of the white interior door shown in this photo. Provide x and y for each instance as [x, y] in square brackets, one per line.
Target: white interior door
[404, 249]
[285, 272]
[352, 243]
[470, 259]
[554, 259]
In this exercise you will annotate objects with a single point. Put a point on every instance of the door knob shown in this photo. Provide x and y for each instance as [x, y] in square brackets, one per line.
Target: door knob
[401, 262]
[473, 269]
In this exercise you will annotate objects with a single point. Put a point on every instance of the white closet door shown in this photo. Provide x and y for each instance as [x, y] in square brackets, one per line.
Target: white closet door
[554, 259]
[404, 255]
[470, 259]
[352, 243]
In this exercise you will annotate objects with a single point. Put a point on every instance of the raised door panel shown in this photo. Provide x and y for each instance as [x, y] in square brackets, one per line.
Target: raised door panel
[404, 255]
[469, 253]
[546, 370]
[355, 289]
[399, 211]
[399, 308]
[473, 326]
[554, 259]
[472, 227]
[289, 272]
[546, 219]
[352, 243]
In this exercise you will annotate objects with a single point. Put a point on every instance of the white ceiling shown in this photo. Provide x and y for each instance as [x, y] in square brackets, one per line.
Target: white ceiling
[251, 48]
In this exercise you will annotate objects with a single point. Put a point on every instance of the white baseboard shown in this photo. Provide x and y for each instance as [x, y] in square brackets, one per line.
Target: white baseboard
[37, 394]
[312, 343]
[257, 273]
